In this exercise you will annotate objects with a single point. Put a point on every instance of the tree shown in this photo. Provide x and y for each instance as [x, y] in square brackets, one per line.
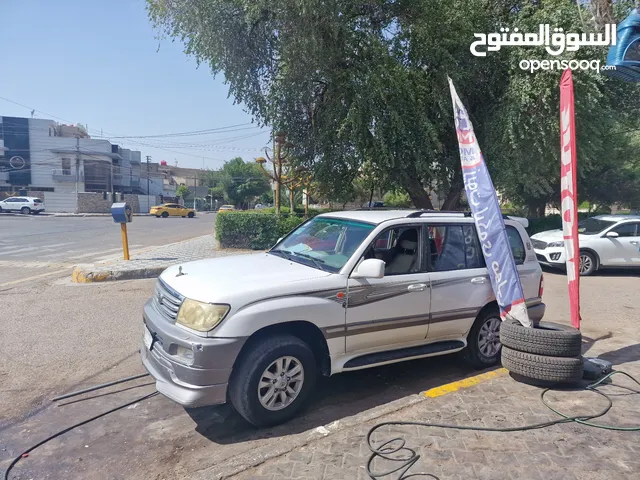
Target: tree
[183, 191]
[357, 81]
[242, 181]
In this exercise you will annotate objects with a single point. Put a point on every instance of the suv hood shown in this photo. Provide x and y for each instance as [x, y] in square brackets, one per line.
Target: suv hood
[223, 279]
[556, 235]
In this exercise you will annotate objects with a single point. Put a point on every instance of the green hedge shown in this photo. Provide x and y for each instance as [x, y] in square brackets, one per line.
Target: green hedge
[257, 231]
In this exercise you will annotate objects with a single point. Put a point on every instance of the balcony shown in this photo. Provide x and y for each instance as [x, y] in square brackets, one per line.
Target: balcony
[66, 176]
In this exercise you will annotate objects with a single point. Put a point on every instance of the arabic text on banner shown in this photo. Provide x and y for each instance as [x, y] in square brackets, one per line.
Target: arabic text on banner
[568, 184]
[488, 219]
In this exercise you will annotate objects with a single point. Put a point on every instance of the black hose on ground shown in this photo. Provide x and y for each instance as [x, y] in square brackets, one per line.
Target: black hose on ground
[62, 432]
[395, 450]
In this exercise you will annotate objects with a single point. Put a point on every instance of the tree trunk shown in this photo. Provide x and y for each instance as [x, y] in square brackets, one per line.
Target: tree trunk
[371, 196]
[416, 191]
[292, 203]
[452, 200]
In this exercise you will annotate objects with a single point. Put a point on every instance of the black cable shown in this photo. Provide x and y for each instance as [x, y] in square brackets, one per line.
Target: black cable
[62, 432]
[390, 449]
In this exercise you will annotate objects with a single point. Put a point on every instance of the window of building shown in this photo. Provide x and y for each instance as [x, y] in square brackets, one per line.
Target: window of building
[66, 166]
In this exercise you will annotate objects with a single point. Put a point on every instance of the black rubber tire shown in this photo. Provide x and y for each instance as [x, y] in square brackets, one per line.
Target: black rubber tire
[25, 210]
[472, 353]
[165, 214]
[243, 386]
[594, 264]
[37, 212]
[547, 339]
[558, 370]
[191, 215]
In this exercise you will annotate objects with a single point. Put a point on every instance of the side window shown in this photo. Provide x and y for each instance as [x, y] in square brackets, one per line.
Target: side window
[517, 247]
[399, 248]
[66, 166]
[454, 247]
[626, 230]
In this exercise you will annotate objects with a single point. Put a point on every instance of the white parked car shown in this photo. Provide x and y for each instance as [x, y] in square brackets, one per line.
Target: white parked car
[344, 291]
[605, 241]
[24, 205]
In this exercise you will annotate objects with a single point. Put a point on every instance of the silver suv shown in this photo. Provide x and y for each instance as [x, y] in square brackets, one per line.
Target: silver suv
[344, 291]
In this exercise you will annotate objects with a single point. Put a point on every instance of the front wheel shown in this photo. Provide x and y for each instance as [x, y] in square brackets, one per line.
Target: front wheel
[191, 215]
[273, 380]
[483, 342]
[165, 214]
[587, 264]
[25, 210]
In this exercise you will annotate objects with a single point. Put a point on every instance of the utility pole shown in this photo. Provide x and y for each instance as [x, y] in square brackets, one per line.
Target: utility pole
[148, 206]
[77, 167]
[195, 190]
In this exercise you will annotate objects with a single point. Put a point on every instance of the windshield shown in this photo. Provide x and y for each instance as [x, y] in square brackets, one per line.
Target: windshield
[324, 243]
[591, 226]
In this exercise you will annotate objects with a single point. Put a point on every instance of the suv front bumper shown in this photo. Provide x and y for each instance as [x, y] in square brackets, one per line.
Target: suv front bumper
[551, 257]
[195, 382]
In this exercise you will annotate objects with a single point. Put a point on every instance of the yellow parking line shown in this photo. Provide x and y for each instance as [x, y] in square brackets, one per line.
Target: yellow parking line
[466, 383]
[6, 284]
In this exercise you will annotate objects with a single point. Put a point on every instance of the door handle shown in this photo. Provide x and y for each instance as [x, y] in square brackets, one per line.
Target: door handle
[478, 280]
[417, 287]
[633, 242]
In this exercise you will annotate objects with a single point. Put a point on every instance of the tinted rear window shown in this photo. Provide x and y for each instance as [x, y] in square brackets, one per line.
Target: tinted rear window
[37, 200]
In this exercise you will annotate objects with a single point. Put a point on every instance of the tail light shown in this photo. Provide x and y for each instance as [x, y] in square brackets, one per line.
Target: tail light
[541, 289]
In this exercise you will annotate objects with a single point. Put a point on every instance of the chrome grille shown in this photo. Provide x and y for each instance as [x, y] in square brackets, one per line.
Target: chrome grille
[166, 300]
[538, 245]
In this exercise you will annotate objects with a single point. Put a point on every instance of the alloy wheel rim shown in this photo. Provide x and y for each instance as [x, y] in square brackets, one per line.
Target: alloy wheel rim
[489, 337]
[585, 263]
[281, 383]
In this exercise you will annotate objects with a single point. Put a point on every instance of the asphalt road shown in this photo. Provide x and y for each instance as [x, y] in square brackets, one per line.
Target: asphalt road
[31, 246]
[58, 337]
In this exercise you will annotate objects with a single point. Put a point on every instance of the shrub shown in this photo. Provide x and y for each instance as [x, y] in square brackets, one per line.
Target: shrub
[254, 230]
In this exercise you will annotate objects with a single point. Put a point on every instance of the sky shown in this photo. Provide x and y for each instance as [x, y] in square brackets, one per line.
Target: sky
[100, 63]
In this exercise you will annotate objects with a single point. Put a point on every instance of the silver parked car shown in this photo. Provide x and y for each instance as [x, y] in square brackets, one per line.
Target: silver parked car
[344, 291]
[605, 241]
[24, 205]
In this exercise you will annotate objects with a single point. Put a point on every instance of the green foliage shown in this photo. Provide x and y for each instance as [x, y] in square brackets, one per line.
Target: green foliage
[253, 230]
[183, 191]
[361, 88]
[397, 199]
[554, 222]
[241, 181]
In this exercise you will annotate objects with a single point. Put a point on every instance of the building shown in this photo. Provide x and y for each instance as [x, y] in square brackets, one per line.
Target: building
[71, 171]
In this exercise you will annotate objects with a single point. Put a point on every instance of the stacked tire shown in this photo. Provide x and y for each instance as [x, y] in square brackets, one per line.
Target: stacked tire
[549, 353]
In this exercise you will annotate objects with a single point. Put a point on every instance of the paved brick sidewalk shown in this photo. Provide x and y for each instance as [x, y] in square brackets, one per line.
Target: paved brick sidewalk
[568, 452]
[152, 262]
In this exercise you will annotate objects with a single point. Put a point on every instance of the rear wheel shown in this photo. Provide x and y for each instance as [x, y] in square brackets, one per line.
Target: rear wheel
[165, 214]
[191, 215]
[273, 380]
[37, 212]
[25, 210]
[483, 342]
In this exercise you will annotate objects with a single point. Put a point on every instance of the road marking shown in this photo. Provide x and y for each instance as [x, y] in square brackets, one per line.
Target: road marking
[9, 251]
[14, 282]
[465, 383]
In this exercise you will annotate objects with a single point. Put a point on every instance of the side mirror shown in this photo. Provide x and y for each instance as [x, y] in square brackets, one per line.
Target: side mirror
[612, 234]
[369, 268]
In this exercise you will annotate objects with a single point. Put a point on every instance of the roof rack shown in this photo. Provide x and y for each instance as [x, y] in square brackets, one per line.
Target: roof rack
[444, 212]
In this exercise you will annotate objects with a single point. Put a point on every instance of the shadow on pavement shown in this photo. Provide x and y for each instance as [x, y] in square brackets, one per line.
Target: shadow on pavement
[629, 353]
[337, 397]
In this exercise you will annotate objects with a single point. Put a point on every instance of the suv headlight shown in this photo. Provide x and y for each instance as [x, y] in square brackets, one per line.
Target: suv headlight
[201, 316]
[555, 244]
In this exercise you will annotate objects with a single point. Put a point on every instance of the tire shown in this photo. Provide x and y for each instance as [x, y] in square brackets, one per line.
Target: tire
[547, 339]
[165, 214]
[37, 212]
[557, 370]
[249, 370]
[25, 210]
[588, 264]
[191, 215]
[479, 354]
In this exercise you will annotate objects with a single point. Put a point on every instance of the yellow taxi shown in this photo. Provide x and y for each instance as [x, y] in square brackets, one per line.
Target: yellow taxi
[172, 210]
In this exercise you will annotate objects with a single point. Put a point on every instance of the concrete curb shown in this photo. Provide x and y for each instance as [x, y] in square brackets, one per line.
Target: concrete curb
[80, 275]
[256, 457]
